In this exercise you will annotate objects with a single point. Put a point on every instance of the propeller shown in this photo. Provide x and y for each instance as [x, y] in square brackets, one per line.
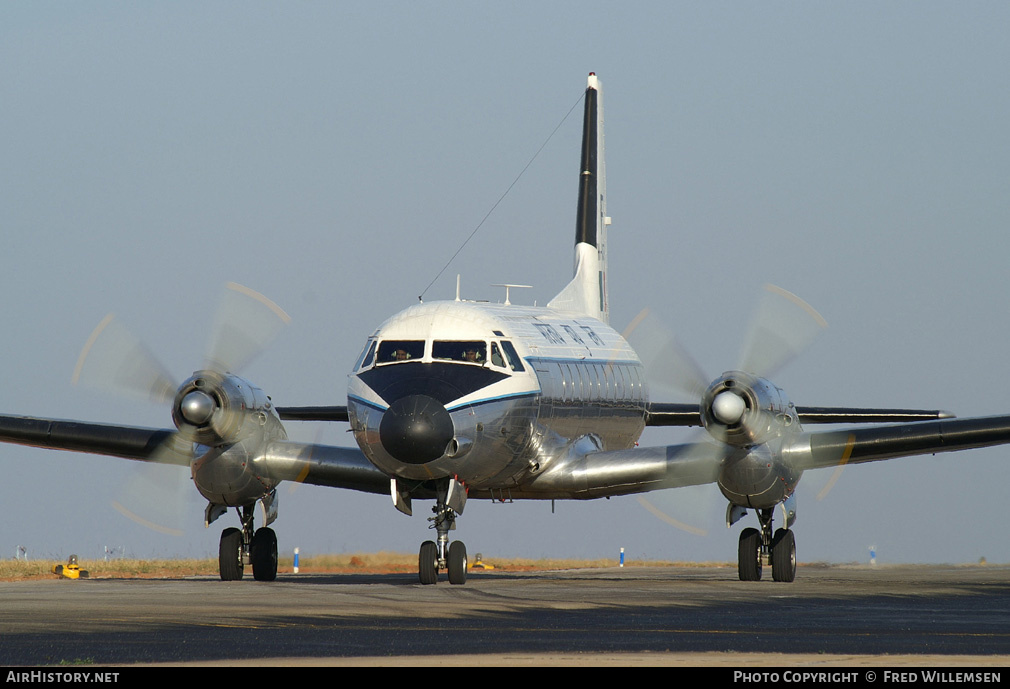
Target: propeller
[114, 359]
[782, 327]
[666, 361]
[246, 322]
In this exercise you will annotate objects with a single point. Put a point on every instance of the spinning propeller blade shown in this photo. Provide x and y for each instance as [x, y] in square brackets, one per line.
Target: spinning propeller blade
[156, 495]
[245, 324]
[114, 358]
[783, 326]
[666, 361]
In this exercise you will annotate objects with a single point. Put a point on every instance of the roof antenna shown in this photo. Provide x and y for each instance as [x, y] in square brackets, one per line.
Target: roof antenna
[457, 286]
[507, 287]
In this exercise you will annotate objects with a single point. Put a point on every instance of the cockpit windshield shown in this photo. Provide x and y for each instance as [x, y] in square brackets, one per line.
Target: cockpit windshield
[392, 351]
[474, 352]
[367, 356]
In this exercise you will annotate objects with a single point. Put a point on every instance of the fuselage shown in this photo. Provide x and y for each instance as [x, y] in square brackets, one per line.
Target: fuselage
[490, 393]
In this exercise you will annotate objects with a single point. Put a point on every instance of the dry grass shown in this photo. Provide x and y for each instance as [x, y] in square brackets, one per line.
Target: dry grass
[14, 570]
[379, 563]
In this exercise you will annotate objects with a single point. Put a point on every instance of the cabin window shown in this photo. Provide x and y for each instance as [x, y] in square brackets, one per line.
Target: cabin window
[567, 384]
[636, 375]
[473, 352]
[579, 385]
[367, 356]
[591, 384]
[515, 363]
[619, 388]
[393, 351]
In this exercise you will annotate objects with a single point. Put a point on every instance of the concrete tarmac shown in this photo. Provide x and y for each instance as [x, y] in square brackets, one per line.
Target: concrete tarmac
[849, 615]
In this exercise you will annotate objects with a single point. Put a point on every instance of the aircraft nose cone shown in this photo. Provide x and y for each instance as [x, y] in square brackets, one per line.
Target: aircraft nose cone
[416, 429]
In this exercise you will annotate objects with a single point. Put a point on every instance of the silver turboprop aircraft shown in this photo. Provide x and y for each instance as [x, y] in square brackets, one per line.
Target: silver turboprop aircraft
[455, 399]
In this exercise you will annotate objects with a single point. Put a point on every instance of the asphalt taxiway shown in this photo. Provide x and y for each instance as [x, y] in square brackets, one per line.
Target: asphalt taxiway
[929, 612]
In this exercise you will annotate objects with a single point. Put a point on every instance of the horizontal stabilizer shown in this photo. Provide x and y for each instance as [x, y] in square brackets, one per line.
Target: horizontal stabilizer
[334, 413]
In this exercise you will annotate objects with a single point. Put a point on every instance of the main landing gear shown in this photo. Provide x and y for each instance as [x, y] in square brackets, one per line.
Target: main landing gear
[435, 556]
[240, 547]
[762, 547]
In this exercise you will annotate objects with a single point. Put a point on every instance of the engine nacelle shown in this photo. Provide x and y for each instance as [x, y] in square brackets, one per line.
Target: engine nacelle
[757, 477]
[743, 410]
[213, 409]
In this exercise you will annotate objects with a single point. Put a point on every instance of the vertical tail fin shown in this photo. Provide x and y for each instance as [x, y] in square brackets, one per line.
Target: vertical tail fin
[587, 292]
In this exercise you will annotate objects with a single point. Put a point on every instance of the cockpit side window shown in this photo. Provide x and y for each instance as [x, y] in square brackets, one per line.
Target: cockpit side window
[496, 358]
[473, 352]
[394, 351]
[367, 356]
[515, 363]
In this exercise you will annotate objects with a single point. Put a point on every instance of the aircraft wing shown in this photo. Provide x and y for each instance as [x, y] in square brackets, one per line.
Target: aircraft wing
[680, 414]
[623, 472]
[129, 442]
[323, 465]
[597, 474]
[870, 444]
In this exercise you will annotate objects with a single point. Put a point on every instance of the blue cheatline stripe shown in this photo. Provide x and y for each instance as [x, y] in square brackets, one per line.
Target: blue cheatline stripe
[365, 402]
[525, 393]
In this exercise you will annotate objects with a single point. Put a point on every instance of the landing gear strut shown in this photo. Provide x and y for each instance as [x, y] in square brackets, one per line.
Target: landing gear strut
[240, 547]
[761, 547]
[435, 556]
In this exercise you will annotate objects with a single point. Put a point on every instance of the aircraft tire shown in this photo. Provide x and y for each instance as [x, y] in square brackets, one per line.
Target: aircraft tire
[784, 555]
[427, 563]
[264, 555]
[457, 563]
[229, 559]
[749, 555]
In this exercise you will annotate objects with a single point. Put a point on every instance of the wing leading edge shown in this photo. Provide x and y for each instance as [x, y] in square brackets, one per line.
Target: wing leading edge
[324, 465]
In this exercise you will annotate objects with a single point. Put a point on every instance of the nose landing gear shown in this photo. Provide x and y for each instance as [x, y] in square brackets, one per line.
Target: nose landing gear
[435, 556]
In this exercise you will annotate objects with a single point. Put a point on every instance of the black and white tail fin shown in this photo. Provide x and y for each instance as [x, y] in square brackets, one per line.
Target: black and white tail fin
[587, 292]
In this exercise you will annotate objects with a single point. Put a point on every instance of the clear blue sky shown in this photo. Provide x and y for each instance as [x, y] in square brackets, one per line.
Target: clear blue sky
[333, 155]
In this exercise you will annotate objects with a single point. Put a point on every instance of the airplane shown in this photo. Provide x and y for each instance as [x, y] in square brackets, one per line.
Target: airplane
[457, 399]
